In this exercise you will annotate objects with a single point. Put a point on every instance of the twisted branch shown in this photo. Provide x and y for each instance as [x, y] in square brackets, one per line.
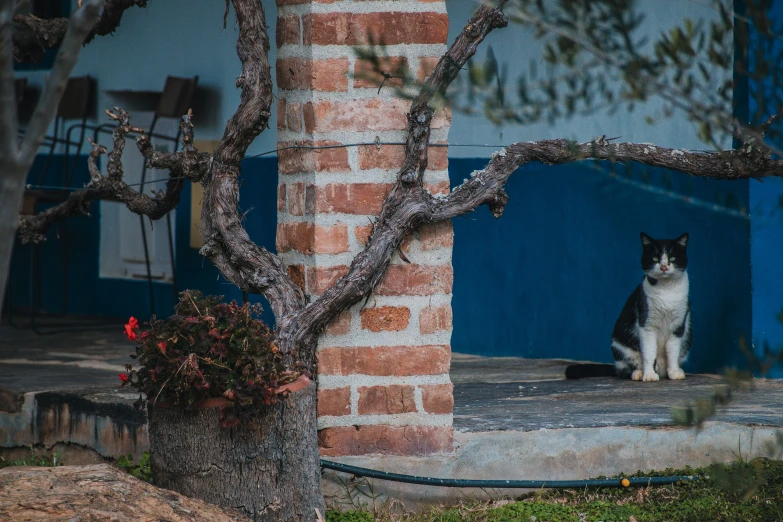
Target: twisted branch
[486, 186]
[187, 163]
[226, 242]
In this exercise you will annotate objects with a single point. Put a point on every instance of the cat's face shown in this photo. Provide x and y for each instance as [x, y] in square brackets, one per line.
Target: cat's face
[664, 258]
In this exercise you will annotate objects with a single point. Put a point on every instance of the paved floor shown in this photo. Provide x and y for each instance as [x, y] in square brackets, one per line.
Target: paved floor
[490, 394]
[62, 360]
[517, 394]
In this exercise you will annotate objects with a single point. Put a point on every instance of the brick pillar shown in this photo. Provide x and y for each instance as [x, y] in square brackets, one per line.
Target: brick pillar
[383, 384]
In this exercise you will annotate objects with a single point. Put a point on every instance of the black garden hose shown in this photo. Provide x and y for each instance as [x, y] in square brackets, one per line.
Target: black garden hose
[507, 484]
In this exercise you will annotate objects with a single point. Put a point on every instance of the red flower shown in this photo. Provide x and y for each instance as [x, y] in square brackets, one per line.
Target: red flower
[129, 332]
[133, 324]
[162, 346]
[124, 379]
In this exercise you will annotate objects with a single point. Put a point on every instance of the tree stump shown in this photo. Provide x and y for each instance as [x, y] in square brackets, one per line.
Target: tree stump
[268, 468]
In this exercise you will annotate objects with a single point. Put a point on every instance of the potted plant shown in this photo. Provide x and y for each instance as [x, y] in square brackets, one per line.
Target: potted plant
[211, 368]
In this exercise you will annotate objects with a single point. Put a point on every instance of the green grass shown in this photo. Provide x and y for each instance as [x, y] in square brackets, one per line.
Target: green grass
[743, 491]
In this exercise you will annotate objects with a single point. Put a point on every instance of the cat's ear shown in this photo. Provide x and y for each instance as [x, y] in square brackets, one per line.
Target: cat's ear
[646, 240]
[682, 240]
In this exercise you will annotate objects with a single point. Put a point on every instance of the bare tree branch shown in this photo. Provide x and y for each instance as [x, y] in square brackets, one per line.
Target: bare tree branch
[79, 26]
[8, 116]
[14, 166]
[185, 164]
[33, 36]
[486, 186]
[226, 243]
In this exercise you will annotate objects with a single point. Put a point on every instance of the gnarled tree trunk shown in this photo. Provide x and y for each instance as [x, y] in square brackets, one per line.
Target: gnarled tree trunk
[268, 468]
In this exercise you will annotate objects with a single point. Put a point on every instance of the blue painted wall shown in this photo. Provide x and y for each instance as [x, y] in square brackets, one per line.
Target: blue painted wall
[122, 297]
[557, 266]
[550, 277]
[766, 200]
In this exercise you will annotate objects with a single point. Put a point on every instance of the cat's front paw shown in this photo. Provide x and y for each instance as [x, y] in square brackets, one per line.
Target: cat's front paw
[636, 375]
[650, 377]
[676, 374]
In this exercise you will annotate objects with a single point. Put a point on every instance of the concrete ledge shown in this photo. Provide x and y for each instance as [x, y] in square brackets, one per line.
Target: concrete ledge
[104, 421]
[559, 454]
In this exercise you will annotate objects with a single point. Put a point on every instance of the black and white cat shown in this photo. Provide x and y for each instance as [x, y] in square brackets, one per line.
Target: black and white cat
[652, 336]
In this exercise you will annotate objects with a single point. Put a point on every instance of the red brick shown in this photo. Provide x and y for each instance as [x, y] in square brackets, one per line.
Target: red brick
[317, 75]
[309, 117]
[281, 193]
[362, 234]
[297, 275]
[381, 28]
[441, 187]
[372, 114]
[334, 402]
[340, 325]
[436, 235]
[307, 29]
[438, 158]
[386, 440]
[287, 31]
[281, 113]
[438, 398]
[385, 360]
[296, 199]
[295, 236]
[386, 400]
[353, 198]
[410, 279]
[361, 115]
[292, 2]
[435, 319]
[311, 239]
[310, 199]
[390, 157]
[369, 74]
[291, 160]
[426, 66]
[299, 156]
[330, 239]
[385, 318]
[332, 159]
[293, 116]
[321, 278]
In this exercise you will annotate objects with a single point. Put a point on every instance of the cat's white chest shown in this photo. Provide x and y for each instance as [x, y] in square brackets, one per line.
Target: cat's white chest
[667, 302]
